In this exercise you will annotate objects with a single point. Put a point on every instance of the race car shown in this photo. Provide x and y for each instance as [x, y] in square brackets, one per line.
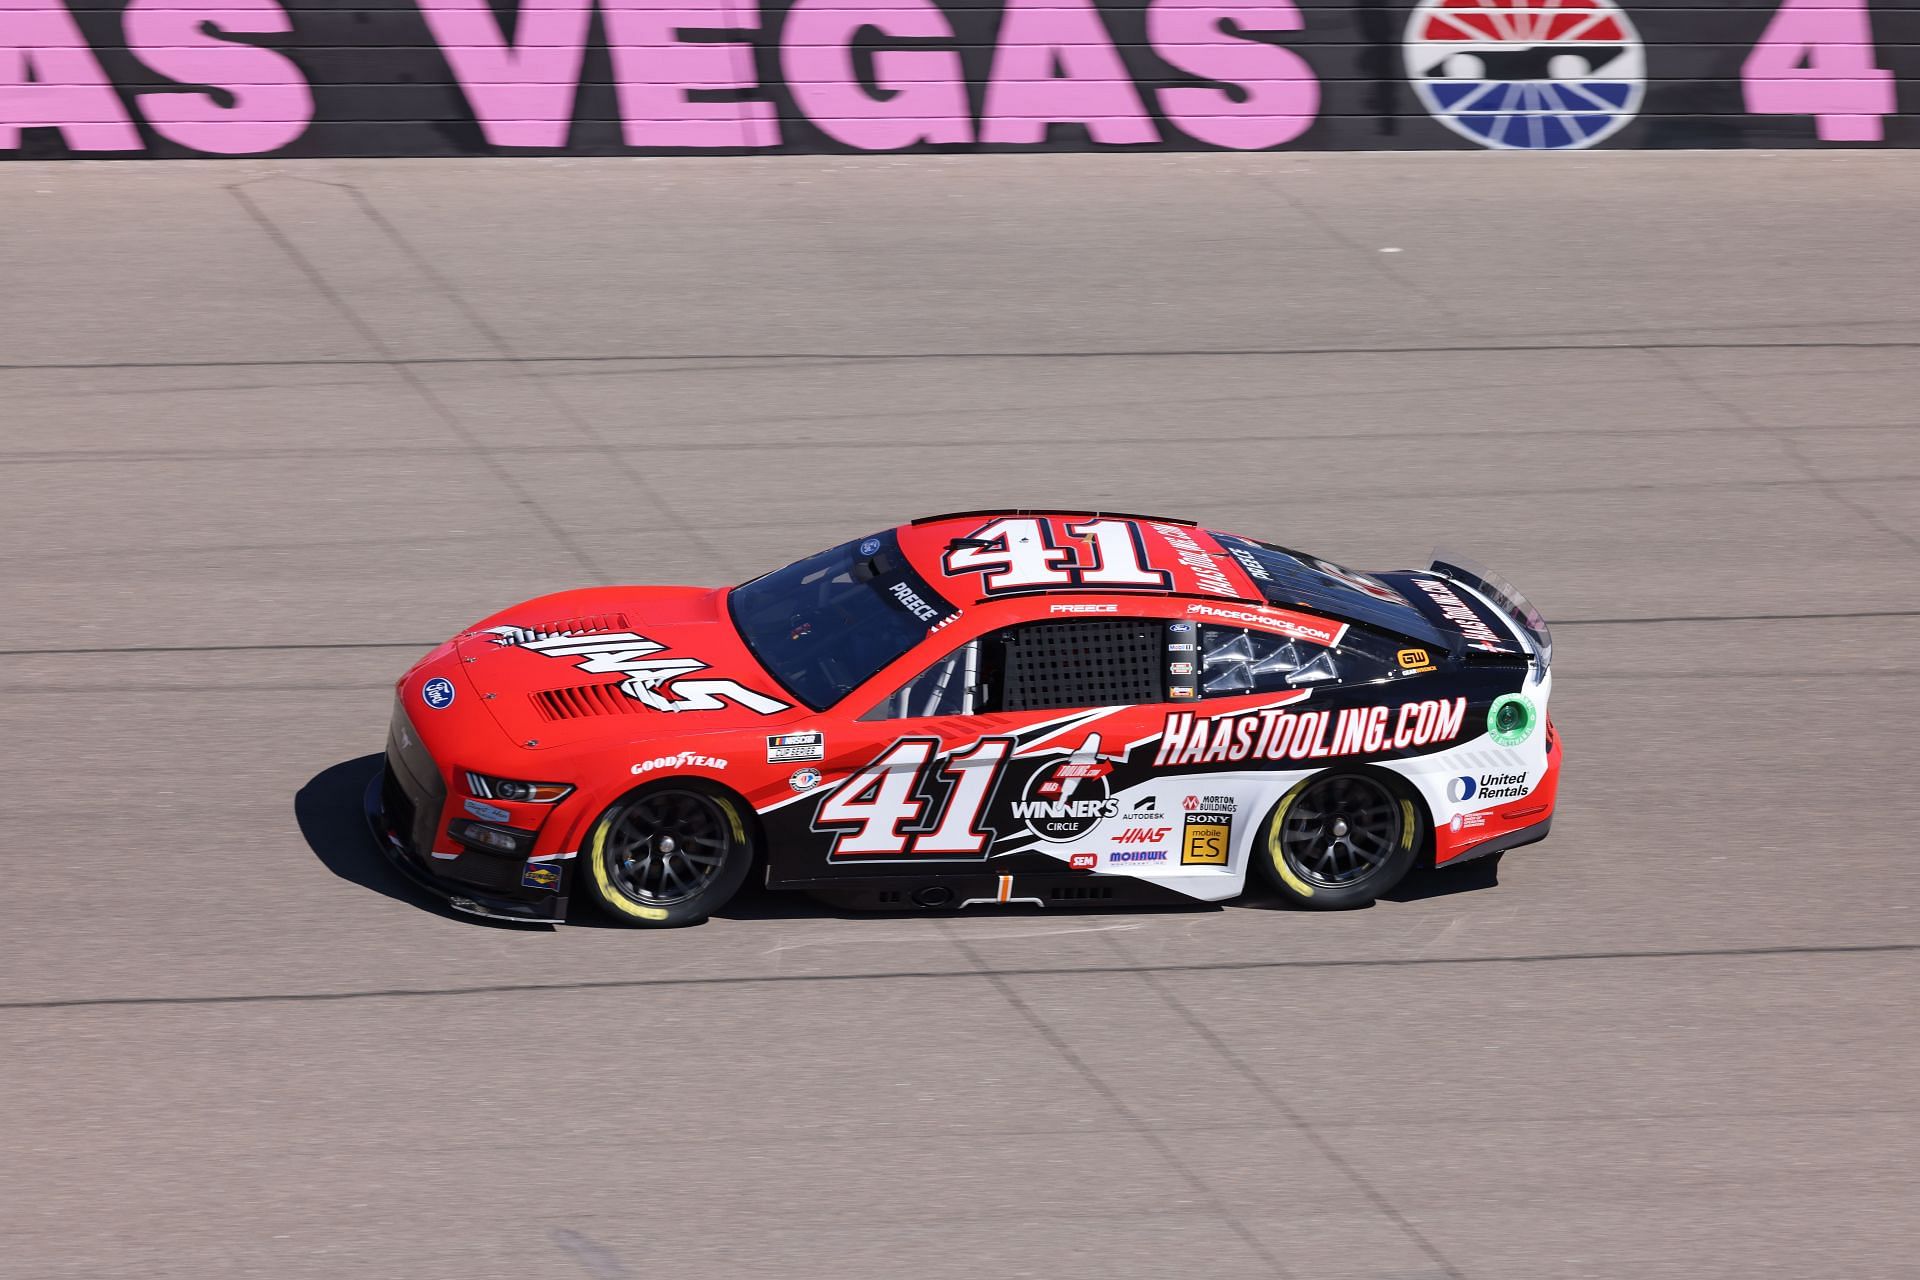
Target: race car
[973, 712]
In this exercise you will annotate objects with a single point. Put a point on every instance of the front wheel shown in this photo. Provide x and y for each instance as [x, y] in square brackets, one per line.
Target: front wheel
[669, 854]
[1340, 839]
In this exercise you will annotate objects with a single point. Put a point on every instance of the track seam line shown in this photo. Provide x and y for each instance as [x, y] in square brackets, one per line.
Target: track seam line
[1232, 966]
[530, 372]
[1828, 488]
[1385, 1207]
[405, 372]
[908, 356]
[1152, 1137]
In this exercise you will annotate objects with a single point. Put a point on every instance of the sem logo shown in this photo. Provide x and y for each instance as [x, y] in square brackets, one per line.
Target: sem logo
[1527, 75]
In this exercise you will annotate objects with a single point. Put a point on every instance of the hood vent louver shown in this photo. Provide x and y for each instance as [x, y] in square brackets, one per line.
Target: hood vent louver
[582, 701]
[591, 624]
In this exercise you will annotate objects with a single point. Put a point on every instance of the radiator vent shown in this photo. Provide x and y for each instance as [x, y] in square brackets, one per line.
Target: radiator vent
[591, 624]
[581, 701]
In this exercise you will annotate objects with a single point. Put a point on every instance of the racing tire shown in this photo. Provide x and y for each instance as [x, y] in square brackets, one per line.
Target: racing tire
[669, 854]
[1340, 839]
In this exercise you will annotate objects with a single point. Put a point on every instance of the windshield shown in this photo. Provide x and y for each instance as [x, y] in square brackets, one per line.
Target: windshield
[825, 625]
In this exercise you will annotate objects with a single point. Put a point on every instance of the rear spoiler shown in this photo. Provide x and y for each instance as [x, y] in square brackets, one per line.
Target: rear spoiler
[1502, 594]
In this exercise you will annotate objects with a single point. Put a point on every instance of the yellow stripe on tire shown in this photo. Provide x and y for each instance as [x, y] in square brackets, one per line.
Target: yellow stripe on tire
[610, 895]
[1287, 877]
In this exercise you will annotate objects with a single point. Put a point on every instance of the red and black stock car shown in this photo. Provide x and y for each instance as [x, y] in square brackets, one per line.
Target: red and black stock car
[975, 710]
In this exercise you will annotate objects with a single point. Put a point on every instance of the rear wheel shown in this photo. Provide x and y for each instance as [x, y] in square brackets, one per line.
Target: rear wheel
[666, 855]
[1341, 839]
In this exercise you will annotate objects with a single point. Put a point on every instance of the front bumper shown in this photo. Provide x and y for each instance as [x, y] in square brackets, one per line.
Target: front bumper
[476, 883]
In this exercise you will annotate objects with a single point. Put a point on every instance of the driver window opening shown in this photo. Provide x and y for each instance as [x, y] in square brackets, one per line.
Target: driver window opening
[949, 687]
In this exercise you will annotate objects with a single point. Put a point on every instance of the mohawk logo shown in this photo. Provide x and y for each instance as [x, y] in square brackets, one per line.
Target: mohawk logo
[657, 682]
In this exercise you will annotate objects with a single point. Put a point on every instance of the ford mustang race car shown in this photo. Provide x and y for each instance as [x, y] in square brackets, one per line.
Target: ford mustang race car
[1043, 708]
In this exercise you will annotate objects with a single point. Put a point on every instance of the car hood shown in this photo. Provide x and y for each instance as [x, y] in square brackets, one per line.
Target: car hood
[617, 663]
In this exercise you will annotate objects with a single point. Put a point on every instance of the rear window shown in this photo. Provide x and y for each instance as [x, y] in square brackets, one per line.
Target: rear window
[1320, 586]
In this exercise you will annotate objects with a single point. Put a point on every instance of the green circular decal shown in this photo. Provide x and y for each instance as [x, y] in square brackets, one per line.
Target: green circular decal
[1510, 719]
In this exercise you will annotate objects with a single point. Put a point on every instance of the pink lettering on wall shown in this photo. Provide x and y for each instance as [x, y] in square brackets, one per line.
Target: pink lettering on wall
[1281, 95]
[1056, 64]
[522, 93]
[49, 78]
[655, 69]
[439, 77]
[1816, 59]
[923, 91]
[271, 106]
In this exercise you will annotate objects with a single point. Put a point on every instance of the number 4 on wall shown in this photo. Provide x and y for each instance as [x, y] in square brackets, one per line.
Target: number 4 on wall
[1816, 59]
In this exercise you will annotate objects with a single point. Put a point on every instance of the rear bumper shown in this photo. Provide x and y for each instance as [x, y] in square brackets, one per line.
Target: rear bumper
[475, 883]
[1500, 844]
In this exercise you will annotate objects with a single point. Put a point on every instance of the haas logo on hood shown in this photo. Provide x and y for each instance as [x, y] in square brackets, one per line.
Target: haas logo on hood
[658, 682]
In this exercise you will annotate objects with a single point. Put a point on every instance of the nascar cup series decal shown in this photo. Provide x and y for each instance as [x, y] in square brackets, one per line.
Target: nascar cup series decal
[1527, 75]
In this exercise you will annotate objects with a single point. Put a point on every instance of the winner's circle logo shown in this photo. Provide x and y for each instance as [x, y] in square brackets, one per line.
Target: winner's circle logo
[1065, 800]
[1528, 75]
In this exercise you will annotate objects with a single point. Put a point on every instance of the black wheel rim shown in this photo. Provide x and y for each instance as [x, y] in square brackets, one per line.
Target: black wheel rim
[666, 847]
[1341, 830]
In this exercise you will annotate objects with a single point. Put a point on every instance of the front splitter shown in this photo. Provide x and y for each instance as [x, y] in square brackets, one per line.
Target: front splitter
[458, 897]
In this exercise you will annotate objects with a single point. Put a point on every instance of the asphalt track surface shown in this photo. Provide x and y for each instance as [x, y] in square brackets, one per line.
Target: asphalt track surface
[271, 431]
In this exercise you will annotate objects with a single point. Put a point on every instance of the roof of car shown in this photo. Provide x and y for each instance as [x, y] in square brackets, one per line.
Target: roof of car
[949, 551]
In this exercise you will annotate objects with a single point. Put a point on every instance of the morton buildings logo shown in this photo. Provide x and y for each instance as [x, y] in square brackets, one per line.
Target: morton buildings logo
[1529, 75]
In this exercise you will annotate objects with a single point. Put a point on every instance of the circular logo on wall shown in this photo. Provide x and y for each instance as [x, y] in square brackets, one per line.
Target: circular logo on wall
[437, 693]
[1527, 75]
